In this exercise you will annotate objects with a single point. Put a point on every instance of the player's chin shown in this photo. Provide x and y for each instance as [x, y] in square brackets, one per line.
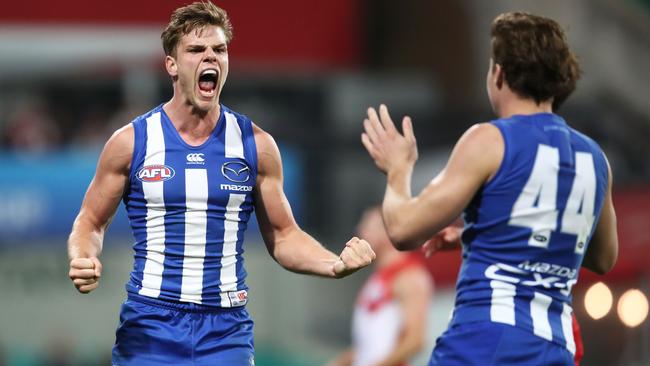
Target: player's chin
[205, 104]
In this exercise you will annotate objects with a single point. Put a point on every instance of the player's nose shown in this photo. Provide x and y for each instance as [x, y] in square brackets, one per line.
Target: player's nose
[209, 55]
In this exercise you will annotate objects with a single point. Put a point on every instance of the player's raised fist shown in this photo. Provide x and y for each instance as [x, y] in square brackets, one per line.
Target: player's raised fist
[356, 255]
[85, 273]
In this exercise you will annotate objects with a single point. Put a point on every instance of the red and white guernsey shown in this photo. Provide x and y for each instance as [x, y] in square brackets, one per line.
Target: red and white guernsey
[377, 321]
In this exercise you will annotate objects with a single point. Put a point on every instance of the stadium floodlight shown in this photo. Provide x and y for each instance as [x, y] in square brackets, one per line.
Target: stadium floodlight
[632, 308]
[598, 300]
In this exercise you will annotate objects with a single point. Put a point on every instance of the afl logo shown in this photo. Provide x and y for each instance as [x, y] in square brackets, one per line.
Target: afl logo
[236, 171]
[155, 173]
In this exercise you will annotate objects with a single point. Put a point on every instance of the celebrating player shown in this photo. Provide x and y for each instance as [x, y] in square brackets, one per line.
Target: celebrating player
[535, 196]
[190, 173]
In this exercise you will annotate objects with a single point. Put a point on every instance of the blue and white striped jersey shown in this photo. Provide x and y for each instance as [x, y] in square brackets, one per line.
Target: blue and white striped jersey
[189, 207]
[526, 230]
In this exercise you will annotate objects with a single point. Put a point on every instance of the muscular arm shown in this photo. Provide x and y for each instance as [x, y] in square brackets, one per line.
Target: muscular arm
[413, 290]
[410, 221]
[289, 245]
[603, 249]
[98, 207]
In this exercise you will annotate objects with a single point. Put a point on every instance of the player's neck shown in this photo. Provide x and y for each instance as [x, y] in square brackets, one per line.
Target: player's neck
[514, 105]
[189, 121]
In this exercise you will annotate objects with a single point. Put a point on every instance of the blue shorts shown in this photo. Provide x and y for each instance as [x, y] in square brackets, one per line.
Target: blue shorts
[155, 332]
[494, 344]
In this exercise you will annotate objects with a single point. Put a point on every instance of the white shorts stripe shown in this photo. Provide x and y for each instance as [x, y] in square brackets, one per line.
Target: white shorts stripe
[234, 144]
[153, 195]
[502, 309]
[228, 276]
[567, 328]
[539, 312]
[196, 200]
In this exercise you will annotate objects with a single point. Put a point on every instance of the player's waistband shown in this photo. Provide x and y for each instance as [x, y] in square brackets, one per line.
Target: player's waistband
[188, 307]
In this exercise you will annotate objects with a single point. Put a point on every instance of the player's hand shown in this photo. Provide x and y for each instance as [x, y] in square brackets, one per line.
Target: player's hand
[387, 147]
[446, 239]
[85, 273]
[356, 255]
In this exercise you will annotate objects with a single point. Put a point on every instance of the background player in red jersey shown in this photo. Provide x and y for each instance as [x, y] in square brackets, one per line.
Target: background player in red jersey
[390, 317]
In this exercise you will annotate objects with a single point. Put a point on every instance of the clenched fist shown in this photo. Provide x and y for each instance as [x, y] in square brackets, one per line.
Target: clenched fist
[85, 273]
[356, 255]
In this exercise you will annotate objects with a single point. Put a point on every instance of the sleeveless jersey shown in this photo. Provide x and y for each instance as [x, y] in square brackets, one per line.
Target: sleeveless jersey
[189, 207]
[526, 230]
[377, 320]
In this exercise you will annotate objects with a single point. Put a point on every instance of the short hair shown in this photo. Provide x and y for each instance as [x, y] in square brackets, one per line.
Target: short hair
[190, 17]
[535, 56]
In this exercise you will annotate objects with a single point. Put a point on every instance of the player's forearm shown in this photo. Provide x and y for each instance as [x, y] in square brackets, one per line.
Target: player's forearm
[85, 240]
[396, 200]
[299, 252]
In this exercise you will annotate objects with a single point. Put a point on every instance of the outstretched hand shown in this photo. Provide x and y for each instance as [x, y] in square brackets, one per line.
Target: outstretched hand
[387, 147]
[356, 255]
[446, 239]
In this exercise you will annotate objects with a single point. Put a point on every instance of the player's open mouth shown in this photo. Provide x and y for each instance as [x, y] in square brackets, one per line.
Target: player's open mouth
[208, 82]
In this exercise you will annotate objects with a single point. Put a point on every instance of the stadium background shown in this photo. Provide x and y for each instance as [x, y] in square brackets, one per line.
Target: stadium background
[71, 72]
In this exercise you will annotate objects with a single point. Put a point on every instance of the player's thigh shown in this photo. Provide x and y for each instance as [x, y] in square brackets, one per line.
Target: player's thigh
[224, 339]
[152, 335]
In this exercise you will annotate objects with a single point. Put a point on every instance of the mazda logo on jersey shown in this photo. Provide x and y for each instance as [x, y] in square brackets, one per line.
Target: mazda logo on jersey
[236, 171]
[155, 173]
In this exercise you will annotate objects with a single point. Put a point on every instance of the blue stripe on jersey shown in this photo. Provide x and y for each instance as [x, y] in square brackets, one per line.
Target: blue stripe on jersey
[250, 154]
[138, 210]
[527, 229]
[186, 263]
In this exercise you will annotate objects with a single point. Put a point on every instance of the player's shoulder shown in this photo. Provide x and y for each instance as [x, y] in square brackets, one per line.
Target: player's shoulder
[483, 130]
[264, 141]
[143, 118]
[480, 138]
[268, 153]
[238, 116]
[585, 139]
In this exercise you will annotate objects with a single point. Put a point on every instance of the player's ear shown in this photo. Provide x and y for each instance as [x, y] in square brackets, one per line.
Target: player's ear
[498, 75]
[171, 66]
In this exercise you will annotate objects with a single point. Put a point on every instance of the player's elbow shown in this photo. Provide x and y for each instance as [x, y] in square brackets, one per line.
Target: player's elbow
[604, 262]
[403, 240]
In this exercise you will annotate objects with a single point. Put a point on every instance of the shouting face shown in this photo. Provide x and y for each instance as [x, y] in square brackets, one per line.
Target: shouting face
[199, 67]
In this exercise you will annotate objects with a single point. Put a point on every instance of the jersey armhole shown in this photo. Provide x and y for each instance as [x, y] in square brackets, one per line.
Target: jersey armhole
[249, 144]
[504, 160]
[138, 136]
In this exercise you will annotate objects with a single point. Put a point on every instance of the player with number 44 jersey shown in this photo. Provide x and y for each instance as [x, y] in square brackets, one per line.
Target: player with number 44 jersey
[535, 195]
